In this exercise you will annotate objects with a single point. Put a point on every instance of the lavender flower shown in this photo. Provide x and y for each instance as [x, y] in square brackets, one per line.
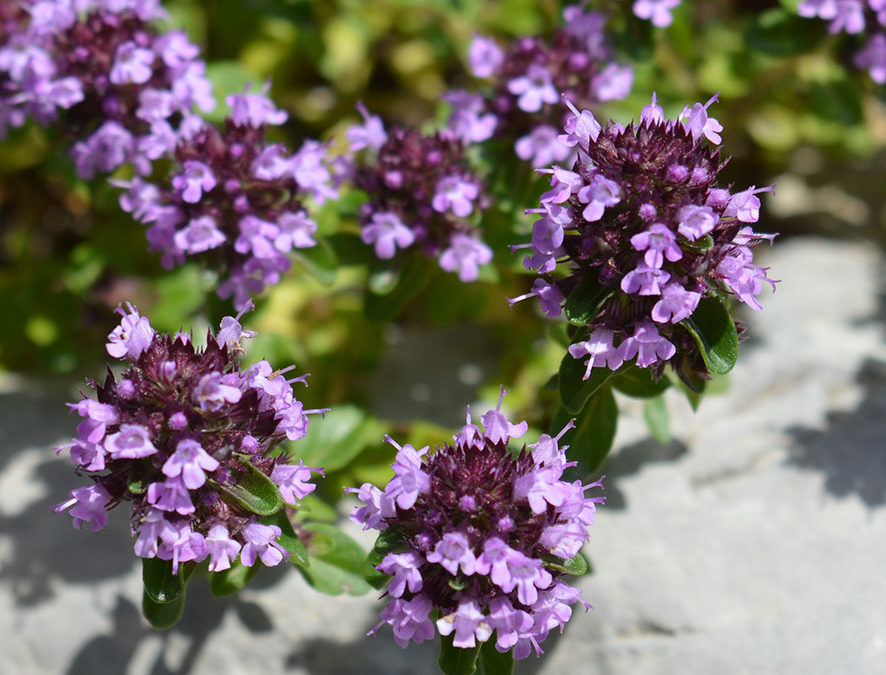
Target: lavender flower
[481, 535]
[656, 11]
[856, 17]
[528, 77]
[641, 218]
[421, 191]
[234, 200]
[176, 434]
[117, 81]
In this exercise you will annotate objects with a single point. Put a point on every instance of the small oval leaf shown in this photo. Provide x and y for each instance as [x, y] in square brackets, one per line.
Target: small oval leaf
[493, 662]
[455, 660]
[162, 615]
[714, 332]
[160, 583]
[288, 539]
[577, 565]
[254, 491]
[338, 563]
[655, 413]
[639, 383]
[591, 439]
[230, 581]
[585, 300]
[574, 391]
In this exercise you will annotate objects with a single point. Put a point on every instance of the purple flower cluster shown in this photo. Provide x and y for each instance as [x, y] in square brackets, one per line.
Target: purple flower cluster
[121, 84]
[641, 220]
[422, 191]
[482, 534]
[177, 434]
[233, 200]
[856, 17]
[528, 78]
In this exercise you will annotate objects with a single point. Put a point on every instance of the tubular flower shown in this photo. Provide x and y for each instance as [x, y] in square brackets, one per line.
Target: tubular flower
[857, 17]
[478, 537]
[528, 77]
[421, 192]
[233, 200]
[640, 231]
[118, 84]
[177, 435]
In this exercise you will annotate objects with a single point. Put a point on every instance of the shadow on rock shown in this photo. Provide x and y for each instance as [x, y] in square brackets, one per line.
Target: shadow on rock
[113, 653]
[380, 655]
[630, 460]
[851, 451]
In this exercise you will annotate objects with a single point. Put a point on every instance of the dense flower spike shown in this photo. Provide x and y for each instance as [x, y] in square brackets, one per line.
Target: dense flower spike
[528, 78]
[641, 224]
[233, 200]
[857, 17]
[421, 191]
[122, 85]
[482, 534]
[176, 434]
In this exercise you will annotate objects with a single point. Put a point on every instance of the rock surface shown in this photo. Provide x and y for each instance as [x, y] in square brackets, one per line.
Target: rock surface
[754, 542]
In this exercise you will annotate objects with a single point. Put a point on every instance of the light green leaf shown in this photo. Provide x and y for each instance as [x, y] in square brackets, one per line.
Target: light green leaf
[337, 562]
[655, 412]
[577, 565]
[320, 261]
[346, 431]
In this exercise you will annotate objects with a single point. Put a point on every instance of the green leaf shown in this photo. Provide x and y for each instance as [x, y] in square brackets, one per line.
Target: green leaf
[389, 541]
[160, 583]
[162, 615]
[320, 261]
[779, 33]
[457, 661]
[230, 581]
[584, 302]
[714, 332]
[493, 662]
[413, 277]
[577, 565]
[337, 563]
[346, 431]
[349, 248]
[591, 439]
[288, 539]
[574, 391]
[254, 491]
[655, 412]
[639, 383]
[693, 393]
